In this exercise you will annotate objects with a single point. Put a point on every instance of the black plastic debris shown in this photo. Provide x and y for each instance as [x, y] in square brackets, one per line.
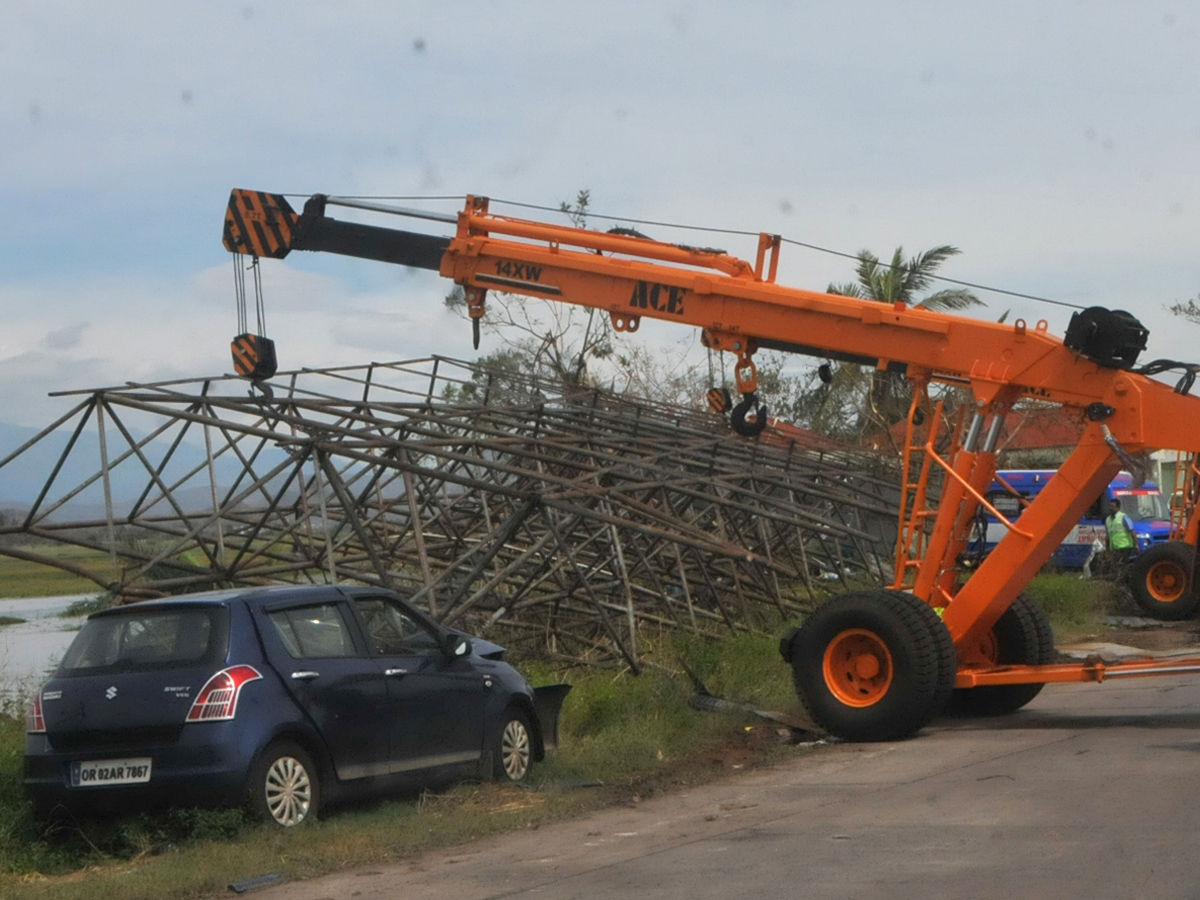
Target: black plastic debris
[253, 884]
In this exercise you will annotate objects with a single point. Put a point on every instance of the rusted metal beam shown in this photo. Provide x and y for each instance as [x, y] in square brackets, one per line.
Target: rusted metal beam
[651, 517]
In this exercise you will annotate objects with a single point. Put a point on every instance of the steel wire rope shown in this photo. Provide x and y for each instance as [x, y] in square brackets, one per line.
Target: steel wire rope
[239, 292]
[786, 240]
[456, 197]
[733, 231]
[258, 298]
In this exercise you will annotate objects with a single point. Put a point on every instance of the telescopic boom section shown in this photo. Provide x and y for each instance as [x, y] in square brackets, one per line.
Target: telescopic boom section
[740, 309]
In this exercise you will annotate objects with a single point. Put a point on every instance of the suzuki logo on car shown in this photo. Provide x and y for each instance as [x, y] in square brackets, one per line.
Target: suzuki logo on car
[111, 692]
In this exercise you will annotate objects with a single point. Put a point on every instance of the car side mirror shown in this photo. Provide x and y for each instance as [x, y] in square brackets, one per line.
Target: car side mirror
[456, 645]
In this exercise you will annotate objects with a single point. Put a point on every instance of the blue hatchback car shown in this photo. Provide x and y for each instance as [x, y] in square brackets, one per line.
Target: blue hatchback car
[276, 697]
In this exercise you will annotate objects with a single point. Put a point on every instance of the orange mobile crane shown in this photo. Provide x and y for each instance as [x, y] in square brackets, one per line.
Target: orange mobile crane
[868, 665]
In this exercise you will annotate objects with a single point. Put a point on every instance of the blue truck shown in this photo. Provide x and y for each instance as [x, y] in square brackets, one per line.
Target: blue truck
[1145, 506]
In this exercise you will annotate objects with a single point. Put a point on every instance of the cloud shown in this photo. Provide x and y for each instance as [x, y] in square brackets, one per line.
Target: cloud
[65, 338]
[126, 128]
[159, 330]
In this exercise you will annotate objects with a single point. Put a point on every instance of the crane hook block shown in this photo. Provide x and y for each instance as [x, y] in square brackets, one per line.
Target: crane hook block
[737, 419]
[253, 356]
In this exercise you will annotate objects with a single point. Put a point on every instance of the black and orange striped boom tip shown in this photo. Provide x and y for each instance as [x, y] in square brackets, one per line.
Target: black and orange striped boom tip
[259, 224]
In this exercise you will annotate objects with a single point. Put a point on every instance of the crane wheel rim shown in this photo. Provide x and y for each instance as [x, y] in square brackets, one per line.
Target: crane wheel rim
[986, 650]
[858, 668]
[1166, 581]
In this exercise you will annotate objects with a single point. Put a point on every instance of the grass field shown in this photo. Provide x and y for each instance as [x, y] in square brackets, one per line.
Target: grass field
[634, 735]
[20, 578]
[1075, 605]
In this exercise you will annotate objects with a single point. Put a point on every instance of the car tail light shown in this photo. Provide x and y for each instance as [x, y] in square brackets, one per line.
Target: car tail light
[217, 700]
[35, 722]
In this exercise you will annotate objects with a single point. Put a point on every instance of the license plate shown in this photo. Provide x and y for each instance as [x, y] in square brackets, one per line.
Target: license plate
[110, 771]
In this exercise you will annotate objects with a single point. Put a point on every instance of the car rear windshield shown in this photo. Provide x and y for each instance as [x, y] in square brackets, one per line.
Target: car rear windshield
[150, 639]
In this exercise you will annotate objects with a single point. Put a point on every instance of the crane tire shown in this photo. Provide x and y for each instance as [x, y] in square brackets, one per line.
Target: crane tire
[1162, 583]
[1022, 636]
[873, 665]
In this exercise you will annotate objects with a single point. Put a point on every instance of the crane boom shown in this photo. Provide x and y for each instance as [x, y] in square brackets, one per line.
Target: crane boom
[740, 308]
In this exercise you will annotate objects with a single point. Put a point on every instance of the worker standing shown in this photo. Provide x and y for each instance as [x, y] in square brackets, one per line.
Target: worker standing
[1121, 538]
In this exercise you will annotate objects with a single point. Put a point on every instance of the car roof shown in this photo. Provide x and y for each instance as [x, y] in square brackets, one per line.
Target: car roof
[252, 596]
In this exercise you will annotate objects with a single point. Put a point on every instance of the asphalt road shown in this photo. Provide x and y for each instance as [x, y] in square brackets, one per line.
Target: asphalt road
[1092, 791]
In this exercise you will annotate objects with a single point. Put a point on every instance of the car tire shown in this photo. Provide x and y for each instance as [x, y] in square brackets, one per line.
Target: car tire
[1161, 581]
[1022, 636]
[512, 752]
[873, 665]
[285, 786]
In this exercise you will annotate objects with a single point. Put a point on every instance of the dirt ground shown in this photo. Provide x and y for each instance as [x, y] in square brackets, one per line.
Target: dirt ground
[1170, 636]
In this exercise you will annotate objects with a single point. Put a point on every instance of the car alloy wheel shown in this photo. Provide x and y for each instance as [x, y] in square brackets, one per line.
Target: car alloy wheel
[288, 790]
[285, 788]
[515, 750]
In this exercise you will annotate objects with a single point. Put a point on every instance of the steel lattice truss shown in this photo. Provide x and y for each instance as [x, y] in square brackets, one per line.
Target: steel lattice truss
[571, 517]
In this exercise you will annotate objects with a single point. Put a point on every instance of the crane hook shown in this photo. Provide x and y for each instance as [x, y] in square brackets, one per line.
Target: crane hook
[737, 419]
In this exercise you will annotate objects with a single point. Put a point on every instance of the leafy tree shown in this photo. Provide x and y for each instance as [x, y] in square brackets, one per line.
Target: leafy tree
[1190, 310]
[858, 401]
[833, 408]
[499, 379]
[666, 375]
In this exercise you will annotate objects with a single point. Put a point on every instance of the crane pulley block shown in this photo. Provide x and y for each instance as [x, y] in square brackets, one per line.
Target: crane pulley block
[259, 224]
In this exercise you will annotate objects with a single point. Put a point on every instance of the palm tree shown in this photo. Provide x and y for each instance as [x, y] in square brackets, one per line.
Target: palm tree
[884, 398]
[901, 281]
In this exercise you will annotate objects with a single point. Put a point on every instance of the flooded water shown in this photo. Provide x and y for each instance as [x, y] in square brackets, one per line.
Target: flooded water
[29, 650]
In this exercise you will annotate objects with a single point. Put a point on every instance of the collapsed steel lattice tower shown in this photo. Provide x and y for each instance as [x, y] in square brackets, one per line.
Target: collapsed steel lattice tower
[569, 516]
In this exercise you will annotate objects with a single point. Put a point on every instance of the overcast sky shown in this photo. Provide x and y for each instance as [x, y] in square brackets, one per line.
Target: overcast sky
[1058, 145]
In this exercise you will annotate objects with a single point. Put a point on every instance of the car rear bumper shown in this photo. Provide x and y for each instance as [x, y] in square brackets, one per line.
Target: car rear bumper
[201, 768]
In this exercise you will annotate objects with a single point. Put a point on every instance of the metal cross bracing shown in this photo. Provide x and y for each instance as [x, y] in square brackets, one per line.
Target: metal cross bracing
[568, 518]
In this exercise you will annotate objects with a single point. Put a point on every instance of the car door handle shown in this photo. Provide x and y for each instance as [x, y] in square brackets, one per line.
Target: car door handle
[305, 676]
[395, 671]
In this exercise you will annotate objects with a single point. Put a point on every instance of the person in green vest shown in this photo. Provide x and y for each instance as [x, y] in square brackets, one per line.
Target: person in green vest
[1121, 536]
